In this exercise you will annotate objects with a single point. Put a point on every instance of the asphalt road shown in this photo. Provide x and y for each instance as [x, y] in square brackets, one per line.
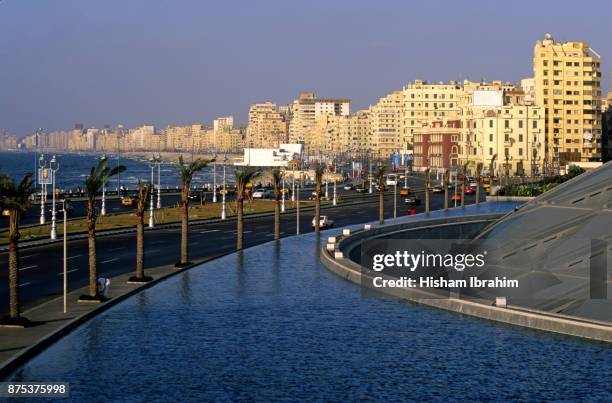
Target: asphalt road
[41, 267]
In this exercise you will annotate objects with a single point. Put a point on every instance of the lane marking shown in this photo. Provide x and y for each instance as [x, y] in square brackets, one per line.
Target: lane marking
[73, 257]
[24, 284]
[110, 260]
[27, 256]
[210, 230]
[28, 267]
[69, 271]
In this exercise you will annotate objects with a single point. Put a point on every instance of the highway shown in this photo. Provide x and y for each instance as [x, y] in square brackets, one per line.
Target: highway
[41, 267]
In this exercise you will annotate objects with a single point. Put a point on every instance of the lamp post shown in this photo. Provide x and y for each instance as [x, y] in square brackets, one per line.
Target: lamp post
[335, 201]
[370, 177]
[103, 209]
[65, 204]
[214, 199]
[158, 159]
[223, 213]
[151, 221]
[326, 189]
[54, 167]
[41, 165]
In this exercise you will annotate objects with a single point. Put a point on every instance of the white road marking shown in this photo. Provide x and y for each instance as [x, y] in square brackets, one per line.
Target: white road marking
[28, 267]
[73, 257]
[27, 256]
[269, 235]
[69, 271]
[210, 230]
[246, 232]
[23, 284]
[110, 260]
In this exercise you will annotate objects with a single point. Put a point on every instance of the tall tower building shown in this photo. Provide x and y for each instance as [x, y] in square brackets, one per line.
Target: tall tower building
[567, 79]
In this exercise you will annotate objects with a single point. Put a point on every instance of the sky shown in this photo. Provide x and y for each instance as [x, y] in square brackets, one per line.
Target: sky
[168, 62]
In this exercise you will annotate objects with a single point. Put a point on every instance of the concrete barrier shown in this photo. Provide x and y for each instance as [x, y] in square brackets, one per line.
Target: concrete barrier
[338, 255]
[331, 246]
[331, 239]
[367, 227]
[346, 232]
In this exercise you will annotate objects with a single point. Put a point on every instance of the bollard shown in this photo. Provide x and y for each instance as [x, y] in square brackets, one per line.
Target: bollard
[331, 246]
[331, 239]
[367, 227]
[500, 302]
[346, 232]
[338, 254]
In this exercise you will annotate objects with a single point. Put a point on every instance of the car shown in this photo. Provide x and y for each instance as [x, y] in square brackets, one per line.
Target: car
[451, 185]
[412, 201]
[259, 194]
[456, 197]
[469, 190]
[411, 211]
[361, 189]
[6, 213]
[474, 184]
[269, 194]
[324, 222]
[437, 189]
[404, 191]
[349, 187]
[128, 201]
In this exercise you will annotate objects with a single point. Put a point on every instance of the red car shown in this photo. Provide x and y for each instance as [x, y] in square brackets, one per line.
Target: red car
[411, 211]
[469, 190]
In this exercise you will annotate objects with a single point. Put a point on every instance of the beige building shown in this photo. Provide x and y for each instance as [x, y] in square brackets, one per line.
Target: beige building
[267, 126]
[568, 86]
[386, 118]
[308, 111]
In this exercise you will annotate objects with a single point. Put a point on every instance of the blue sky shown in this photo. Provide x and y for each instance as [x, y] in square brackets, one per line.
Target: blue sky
[186, 61]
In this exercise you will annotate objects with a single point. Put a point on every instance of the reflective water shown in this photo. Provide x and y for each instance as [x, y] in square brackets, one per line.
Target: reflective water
[274, 324]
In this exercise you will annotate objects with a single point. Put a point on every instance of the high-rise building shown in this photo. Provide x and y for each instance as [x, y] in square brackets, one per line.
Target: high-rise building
[307, 109]
[267, 126]
[606, 137]
[386, 118]
[567, 80]
[225, 123]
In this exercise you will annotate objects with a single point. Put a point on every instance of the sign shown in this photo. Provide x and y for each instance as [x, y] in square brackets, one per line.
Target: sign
[44, 176]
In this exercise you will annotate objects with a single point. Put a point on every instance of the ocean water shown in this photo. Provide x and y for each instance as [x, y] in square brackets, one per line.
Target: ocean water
[73, 168]
[273, 324]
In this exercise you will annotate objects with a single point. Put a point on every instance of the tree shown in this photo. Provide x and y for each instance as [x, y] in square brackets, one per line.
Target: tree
[277, 177]
[186, 173]
[446, 177]
[15, 199]
[144, 192]
[244, 177]
[427, 190]
[380, 179]
[463, 174]
[318, 172]
[478, 180]
[97, 179]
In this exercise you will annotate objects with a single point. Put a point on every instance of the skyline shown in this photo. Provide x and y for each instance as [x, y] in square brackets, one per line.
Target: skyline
[78, 45]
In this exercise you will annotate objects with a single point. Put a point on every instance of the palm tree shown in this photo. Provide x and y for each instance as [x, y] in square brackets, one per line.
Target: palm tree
[463, 173]
[446, 177]
[318, 171]
[97, 179]
[277, 176]
[186, 172]
[247, 175]
[380, 179]
[144, 192]
[15, 199]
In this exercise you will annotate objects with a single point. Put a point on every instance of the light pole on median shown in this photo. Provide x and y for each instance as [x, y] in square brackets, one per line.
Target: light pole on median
[152, 166]
[54, 167]
[65, 204]
[41, 165]
[158, 181]
[103, 209]
[214, 198]
[223, 212]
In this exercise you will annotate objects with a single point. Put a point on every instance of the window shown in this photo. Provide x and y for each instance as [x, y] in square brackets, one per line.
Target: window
[520, 137]
[520, 152]
[491, 137]
[506, 124]
[490, 123]
[520, 123]
[490, 151]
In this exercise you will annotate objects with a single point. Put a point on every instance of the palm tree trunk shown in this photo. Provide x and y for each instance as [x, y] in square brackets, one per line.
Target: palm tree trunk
[463, 191]
[277, 219]
[93, 269]
[239, 224]
[140, 248]
[14, 269]
[478, 190]
[381, 207]
[184, 233]
[446, 190]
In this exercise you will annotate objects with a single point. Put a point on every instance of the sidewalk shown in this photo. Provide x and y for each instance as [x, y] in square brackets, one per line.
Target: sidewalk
[20, 345]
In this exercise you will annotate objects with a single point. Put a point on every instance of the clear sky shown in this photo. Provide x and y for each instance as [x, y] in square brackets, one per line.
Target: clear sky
[186, 61]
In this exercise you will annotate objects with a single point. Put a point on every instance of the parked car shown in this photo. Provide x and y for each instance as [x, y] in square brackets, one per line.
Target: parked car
[349, 187]
[128, 201]
[437, 189]
[269, 194]
[259, 194]
[412, 201]
[324, 222]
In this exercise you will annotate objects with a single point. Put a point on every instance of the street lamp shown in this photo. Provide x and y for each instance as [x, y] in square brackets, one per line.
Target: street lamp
[214, 199]
[158, 180]
[152, 166]
[54, 167]
[65, 205]
[103, 209]
[223, 213]
[283, 186]
[41, 165]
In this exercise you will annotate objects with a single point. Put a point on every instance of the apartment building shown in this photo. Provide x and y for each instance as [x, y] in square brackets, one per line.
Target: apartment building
[606, 137]
[436, 146]
[307, 109]
[222, 124]
[267, 126]
[386, 118]
[568, 86]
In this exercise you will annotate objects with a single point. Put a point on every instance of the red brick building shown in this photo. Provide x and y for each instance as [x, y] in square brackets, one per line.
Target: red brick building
[436, 145]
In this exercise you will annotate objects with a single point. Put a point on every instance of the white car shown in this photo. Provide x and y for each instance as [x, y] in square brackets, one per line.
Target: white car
[259, 194]
[324, 222]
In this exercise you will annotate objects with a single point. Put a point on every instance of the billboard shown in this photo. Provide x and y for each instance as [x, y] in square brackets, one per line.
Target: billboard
[487, 98]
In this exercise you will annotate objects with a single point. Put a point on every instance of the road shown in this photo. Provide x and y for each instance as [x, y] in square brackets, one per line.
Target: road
[41, 267]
